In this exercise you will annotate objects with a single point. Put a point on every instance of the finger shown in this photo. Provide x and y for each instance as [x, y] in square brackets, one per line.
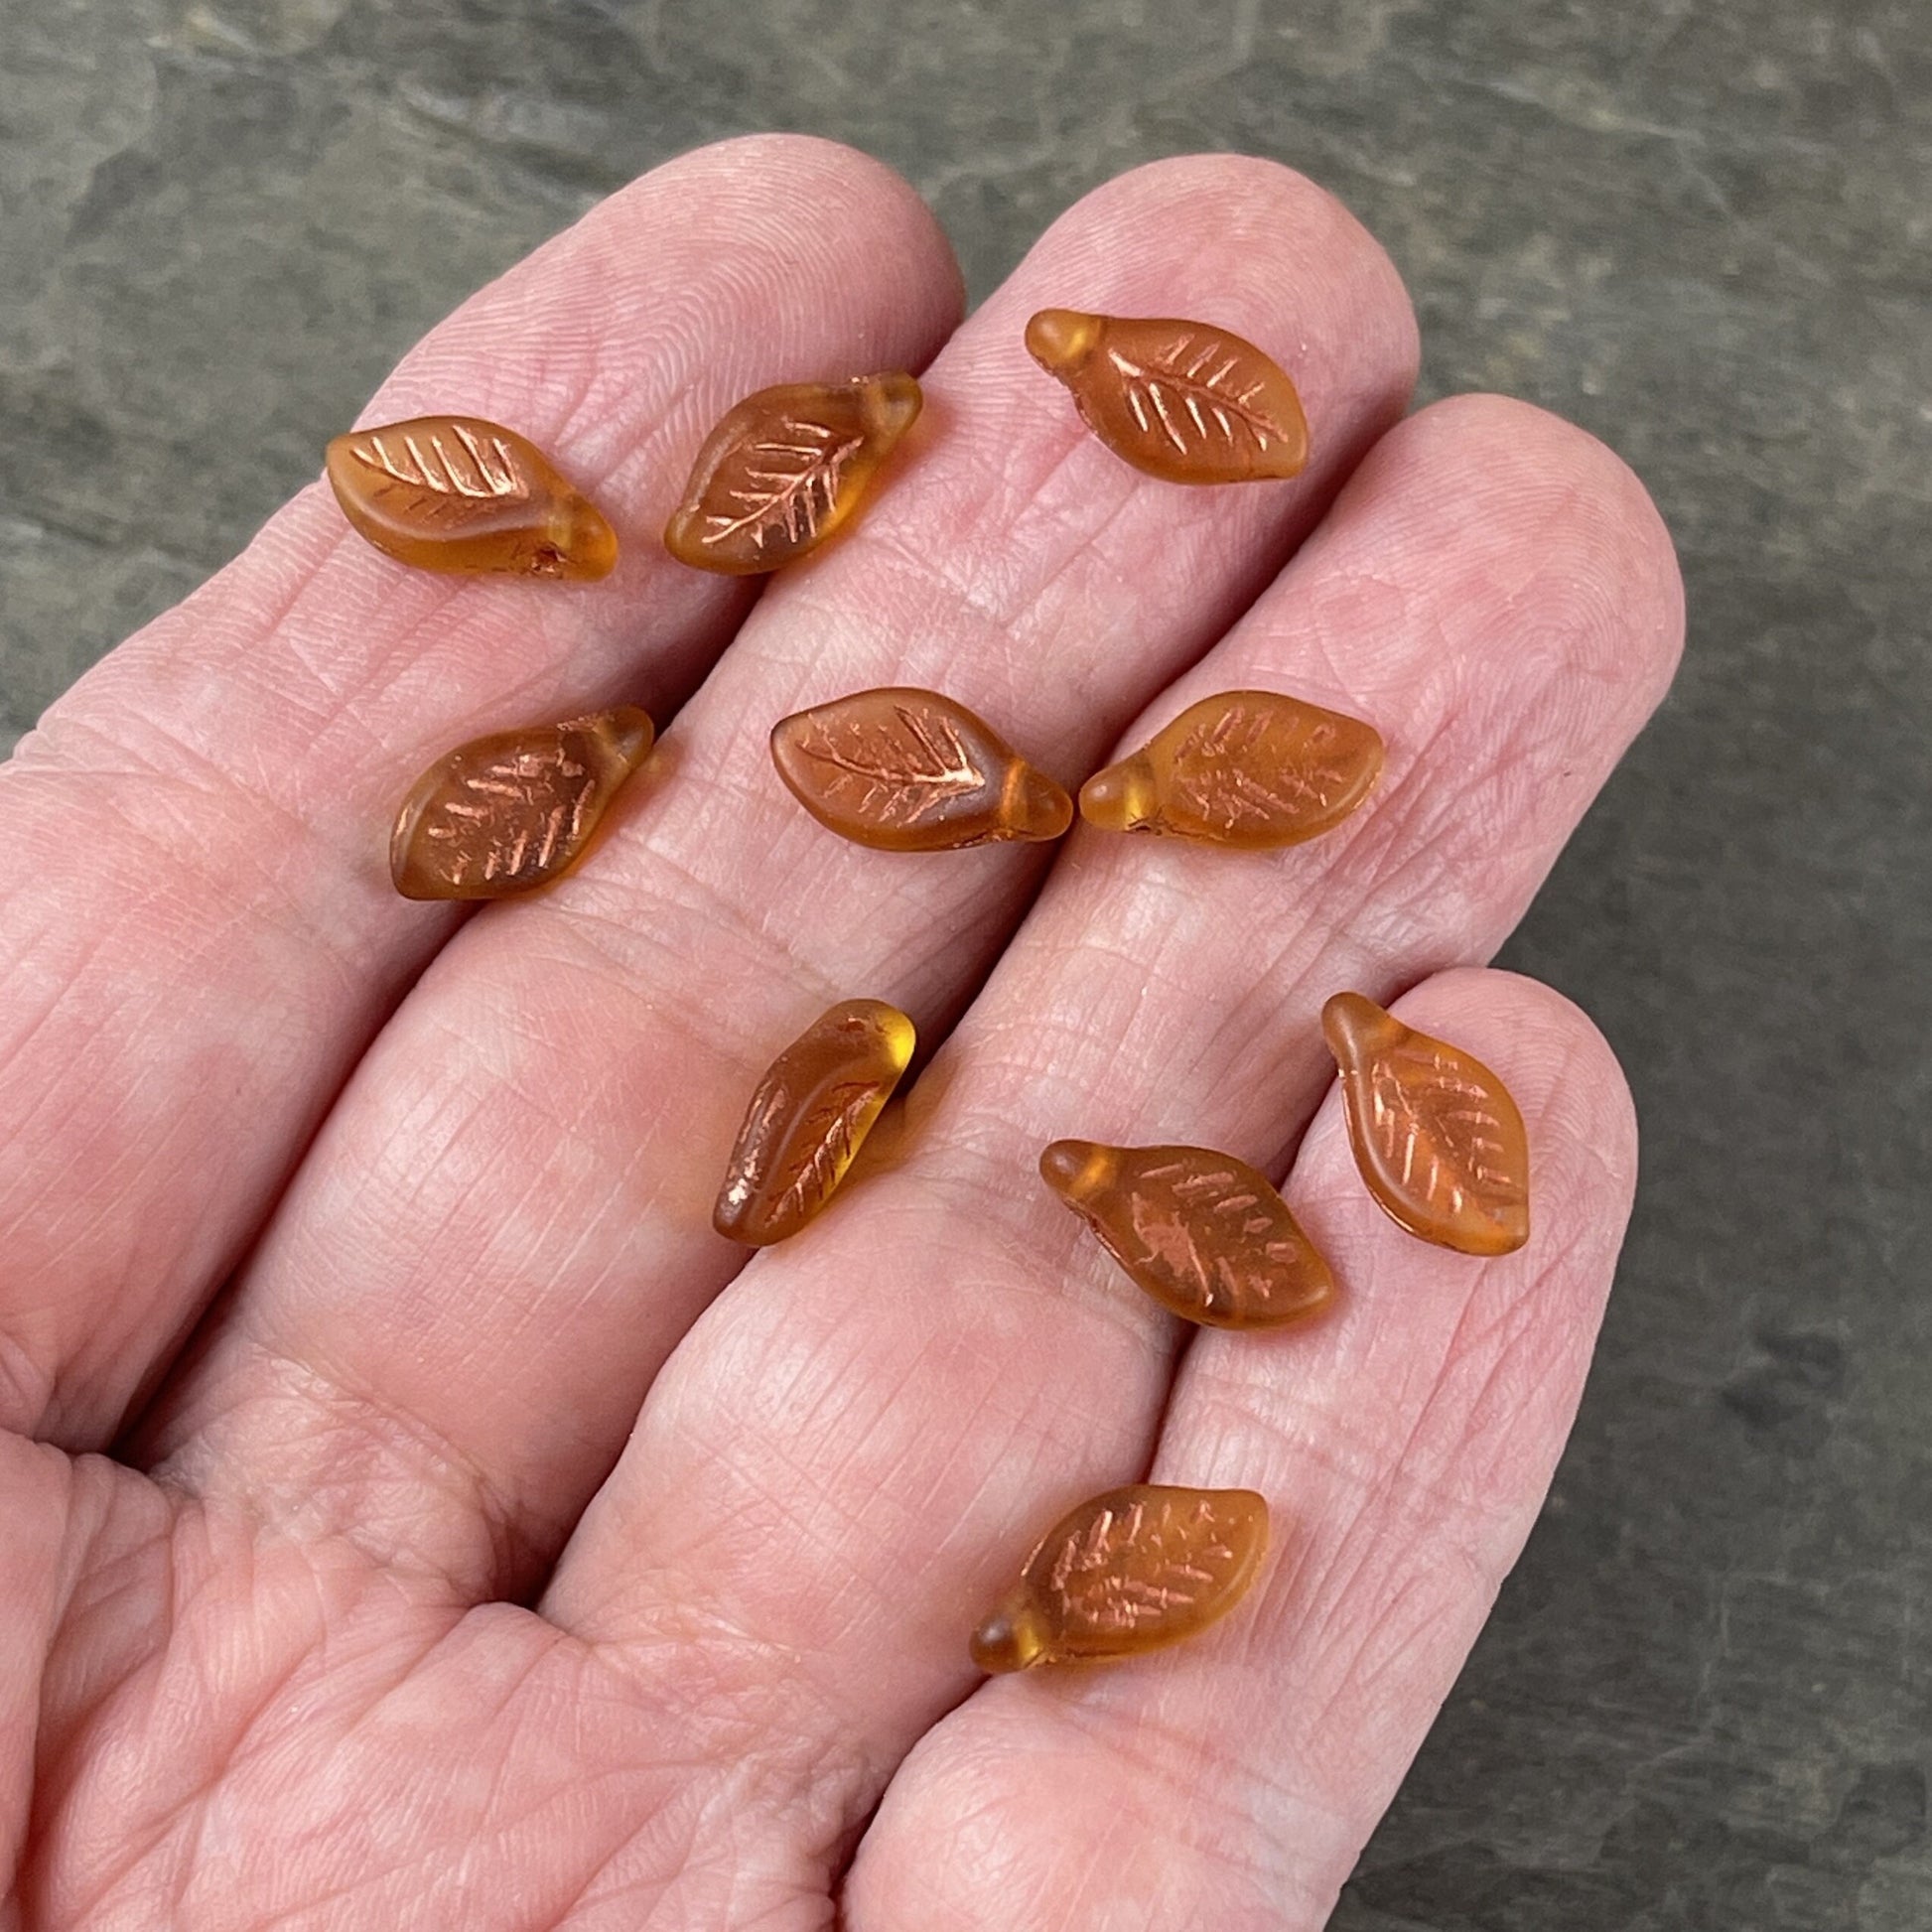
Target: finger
[506, 1226]
[859, 1440]
[198, 931]
[1404, 1446]
[34, 1505]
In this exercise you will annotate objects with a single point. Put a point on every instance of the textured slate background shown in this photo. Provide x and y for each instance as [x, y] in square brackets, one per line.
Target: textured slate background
[1704, 232]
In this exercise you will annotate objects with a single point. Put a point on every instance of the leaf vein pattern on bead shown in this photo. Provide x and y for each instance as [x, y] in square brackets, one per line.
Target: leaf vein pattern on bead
[1214, 776]
[1218, 1281]
[498, 811]
[453, 484]
[757, 1141]
[897, 776]
[1451, 1154]
[792, 489]
[1178, 386]
[1168, 1239]
[827, 1146]
[1127, 1571]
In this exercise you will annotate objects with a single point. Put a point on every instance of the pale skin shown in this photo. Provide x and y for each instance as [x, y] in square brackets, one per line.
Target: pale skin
[414, 1515]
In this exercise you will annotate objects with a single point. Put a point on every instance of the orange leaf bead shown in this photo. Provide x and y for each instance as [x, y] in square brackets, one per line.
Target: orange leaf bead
[808, 1119]
[1183, 400]
[515, 810]
[910, 770]
[1130, 1571]
[1206, 1235]
[1249, 769]
[457, 494]
[1437, 1138]
[784, 468]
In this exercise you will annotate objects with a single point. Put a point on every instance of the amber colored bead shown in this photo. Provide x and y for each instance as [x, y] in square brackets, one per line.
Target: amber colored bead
[784, 468]
[1183, 400]
[1203, 1233]
[1252, 770]
[1130, 1571]
[455, 492]
[511, 811]
[808, 1119]
[1437, 1137]
[910, 770]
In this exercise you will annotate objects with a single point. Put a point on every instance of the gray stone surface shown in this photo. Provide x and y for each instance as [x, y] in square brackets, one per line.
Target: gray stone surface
[1706, 231]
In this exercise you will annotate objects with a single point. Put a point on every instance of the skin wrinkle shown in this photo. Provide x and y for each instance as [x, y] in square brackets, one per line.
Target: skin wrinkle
[434, 1123]
[555, 1644]
[537, 1806]
[694, 1675]
[135, 1847]
[491, 1535]
[87, 1596]
[1328, 1438]
[200, 945]
[629, 1183]
[912, 1510]
[31, 1595]
[531, 1213]
[1088, 1285]
[717, 913]
[1411, 1620]
[350, 704]
[314, 943]
[302, 1395]
[350, 716]
[941, 584]
[52, 1106]
[25, 1388]
[1216, 1791]
[1321, 1440]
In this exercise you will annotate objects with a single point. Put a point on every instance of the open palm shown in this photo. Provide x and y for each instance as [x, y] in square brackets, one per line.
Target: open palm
[502, 1549]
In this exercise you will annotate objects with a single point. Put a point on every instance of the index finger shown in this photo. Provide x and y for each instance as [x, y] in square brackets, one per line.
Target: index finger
[197, 928]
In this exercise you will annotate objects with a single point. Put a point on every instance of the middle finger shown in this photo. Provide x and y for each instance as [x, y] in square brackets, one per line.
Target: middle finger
[503, 1228]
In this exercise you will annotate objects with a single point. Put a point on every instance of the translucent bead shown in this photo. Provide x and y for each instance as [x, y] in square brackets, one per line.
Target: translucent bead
[1183, 400]
[1203, 1233]
[1130, 1571]
[784, 468]
[515, 810]
[1437, 1138]
[1249, 769]
[808, 1119]
[910, 770]
[457, 494]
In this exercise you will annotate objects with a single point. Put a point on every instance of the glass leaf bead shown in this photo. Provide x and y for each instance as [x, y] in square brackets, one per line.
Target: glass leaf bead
[516, 809]
[1184, 401]
[457, 494]
[910, 770]
[1437, 1137]
[1130, 1571]
[808, 1119]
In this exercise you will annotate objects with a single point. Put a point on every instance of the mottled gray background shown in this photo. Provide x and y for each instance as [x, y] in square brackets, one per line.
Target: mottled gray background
[1704, 232]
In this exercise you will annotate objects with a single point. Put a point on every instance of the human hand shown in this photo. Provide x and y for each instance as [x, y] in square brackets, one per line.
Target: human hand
[510, 1551]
